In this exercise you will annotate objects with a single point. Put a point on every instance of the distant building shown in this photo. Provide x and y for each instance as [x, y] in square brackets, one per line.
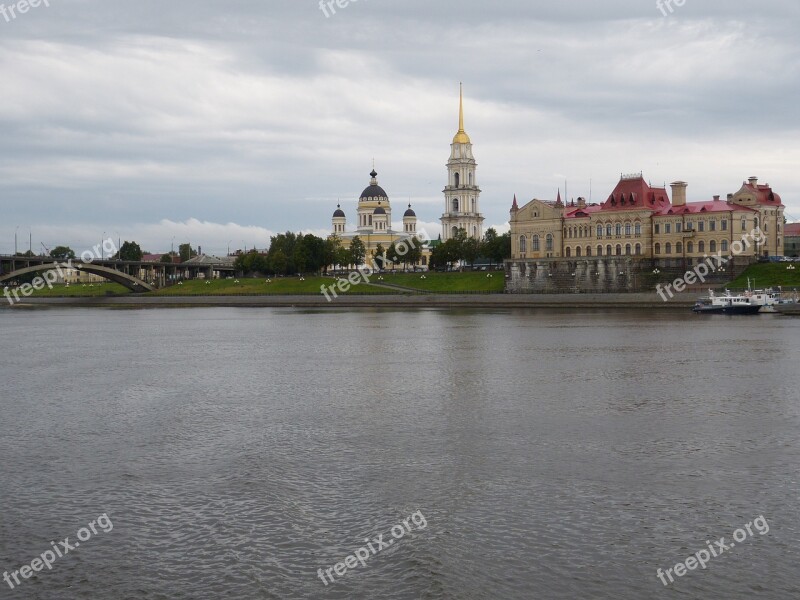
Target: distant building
[639, 220]
[791, 244]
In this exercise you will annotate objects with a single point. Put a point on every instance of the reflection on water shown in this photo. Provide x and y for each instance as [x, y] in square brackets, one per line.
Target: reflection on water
[559, 454]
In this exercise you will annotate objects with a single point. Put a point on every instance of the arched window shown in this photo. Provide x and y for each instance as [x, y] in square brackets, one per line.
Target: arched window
[475, 231]
[701, 247]
[599, 250]
[627, 228]
[619, 250]
[599, 231]
[658, 248]
[608, 229]
[638, 249]
[627, 249]
[712, 245]
[588, 250]
[679, 248]
[608, 250]
[578, 252]
[569, 252]
[689, 247]
[470, 179]
[724, 245]
[549, 242]
[457, 177]
[473, 205]
[535, 244]
[523, 244]
[454, 231]
[668, 248]
[455, 204]
[638, 229]
[619, 229]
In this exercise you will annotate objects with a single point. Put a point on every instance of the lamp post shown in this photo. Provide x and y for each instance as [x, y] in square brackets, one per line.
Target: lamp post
[15, 240]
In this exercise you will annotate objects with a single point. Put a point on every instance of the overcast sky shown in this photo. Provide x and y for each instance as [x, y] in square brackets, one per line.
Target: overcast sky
[224, 122]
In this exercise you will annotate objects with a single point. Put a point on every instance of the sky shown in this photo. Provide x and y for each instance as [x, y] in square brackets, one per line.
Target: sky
[223, 123]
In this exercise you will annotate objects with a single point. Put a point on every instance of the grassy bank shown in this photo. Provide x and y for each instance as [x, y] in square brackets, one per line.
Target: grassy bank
[257, 287]
[769, 275]
[450, 283]
[79, 291]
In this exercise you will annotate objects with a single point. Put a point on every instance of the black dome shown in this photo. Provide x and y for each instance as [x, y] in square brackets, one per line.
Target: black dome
[339, 213]
[409, 212]
[374, 190]
[379, 211]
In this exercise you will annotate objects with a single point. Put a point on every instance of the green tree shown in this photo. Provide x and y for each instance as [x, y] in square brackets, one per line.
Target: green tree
[358, 252]
[62, 253]
[166, 258]
[392, 255]
[378, 255]
[471, 249]
[330, 251]
[186, 252]
[414, 254]
[343, 257]
[129, 251]
[278, 262]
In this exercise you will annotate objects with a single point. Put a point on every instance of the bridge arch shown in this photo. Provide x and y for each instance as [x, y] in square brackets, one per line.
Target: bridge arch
[132, 283]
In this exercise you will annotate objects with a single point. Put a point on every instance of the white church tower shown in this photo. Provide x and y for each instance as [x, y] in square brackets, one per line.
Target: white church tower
[462, 194]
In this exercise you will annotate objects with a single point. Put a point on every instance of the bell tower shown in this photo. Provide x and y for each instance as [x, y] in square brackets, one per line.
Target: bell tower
[462, 194]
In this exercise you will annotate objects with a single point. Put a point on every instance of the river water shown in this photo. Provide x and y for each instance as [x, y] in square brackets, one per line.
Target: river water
[543, 454]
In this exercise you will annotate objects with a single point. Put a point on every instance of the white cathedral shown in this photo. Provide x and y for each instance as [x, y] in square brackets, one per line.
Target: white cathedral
[462, 204]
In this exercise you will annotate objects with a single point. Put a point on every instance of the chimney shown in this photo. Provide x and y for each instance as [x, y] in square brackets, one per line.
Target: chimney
[753, 181]
[581, 202]
[716, 198]
[679, 193]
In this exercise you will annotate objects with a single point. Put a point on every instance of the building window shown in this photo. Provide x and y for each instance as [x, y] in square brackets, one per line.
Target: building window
[667, 228]
[712, 245]
[608, 250]
[608, 229]
[689, 247]
[724, 245]
[744, 225]
[523, 244]
[637, 229]
[619, 250]
[656, 228]
[618, 229]
[535, 244]
[578, 252]
[628, 229]
[668, 248]
[701, 226]
[701, 247]
[588, 250]
[627, 249]
[455, 204]
[549, 242]
[679, 248]
[724, 224]
[599, 250]
[599, 231]
[638, 249]
[569, 252]
[712, 225]
[658, 249]
[457, 178]
[678, 227]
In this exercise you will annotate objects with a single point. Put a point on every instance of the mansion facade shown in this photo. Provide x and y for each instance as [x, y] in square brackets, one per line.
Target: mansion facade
[641, 221]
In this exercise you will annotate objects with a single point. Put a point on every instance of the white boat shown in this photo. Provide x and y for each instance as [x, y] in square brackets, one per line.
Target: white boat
[726, 304]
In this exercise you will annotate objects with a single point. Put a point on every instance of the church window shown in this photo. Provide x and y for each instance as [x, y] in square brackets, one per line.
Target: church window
[535, 244]
[549, 242]
[523, 244]
[455, 204]
[457, 178]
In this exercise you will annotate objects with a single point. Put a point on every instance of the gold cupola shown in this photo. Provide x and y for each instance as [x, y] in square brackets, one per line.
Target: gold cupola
[461, 137]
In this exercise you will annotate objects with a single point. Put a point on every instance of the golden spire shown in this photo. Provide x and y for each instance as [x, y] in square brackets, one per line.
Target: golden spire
[461, 137]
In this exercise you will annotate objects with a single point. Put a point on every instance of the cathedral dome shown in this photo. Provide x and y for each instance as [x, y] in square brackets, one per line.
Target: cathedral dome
[374, 190]
[379, 211]
[410, 212]
[339, 213]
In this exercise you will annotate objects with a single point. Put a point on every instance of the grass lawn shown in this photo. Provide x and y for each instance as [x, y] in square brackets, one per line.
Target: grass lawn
[78, 290]
[260, 287]
[450, 282]
[769, 275]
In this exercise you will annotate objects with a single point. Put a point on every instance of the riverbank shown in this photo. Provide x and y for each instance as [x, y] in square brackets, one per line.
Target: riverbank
[604, 301]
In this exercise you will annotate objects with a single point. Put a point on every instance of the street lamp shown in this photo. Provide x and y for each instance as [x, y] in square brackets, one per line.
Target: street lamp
[15, 240]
